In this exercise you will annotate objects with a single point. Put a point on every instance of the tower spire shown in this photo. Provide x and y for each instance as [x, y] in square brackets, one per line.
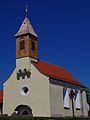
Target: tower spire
[26, 10]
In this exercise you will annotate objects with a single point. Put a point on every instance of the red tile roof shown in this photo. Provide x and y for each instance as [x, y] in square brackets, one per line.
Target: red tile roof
[56, 72]
[1, 96]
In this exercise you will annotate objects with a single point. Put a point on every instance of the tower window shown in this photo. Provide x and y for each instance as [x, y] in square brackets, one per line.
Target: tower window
[33, 46]
[22, 45]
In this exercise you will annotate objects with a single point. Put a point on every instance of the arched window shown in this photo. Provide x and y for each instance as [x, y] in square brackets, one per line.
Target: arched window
[33, 46]
[22, 45]
[66, 98]
[78, 100]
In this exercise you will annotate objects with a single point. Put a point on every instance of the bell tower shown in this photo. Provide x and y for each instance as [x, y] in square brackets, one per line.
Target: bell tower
[26, 41]
[26, 48]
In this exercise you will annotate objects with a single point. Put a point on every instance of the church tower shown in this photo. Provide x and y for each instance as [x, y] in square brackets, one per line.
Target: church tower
[26, 41]
[26, 48]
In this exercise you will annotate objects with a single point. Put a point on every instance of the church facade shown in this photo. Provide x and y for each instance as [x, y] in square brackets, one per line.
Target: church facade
[38, 88]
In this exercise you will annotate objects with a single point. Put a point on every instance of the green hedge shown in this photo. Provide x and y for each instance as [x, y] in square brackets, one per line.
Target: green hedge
[42, 118]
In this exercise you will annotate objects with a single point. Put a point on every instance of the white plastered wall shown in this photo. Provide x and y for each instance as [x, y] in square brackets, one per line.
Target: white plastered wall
[84, 102]
[38, 98]
[23, 63]
[56, 100]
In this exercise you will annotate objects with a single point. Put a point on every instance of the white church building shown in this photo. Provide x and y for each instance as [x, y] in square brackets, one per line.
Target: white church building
[38, 88]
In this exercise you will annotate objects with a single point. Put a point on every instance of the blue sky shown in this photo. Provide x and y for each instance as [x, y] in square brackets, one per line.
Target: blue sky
[63, 27]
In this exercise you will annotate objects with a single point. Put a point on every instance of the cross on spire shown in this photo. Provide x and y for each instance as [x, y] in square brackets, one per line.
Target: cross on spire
[26, 10]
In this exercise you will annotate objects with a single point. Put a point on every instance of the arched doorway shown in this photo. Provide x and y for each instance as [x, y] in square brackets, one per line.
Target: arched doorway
[23, 110]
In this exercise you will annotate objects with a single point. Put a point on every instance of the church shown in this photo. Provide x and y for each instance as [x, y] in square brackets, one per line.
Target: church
[38, 88]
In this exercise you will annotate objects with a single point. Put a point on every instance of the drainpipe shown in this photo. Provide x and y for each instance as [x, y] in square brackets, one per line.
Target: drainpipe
[73, 107]
[72, 94]
[82, 103]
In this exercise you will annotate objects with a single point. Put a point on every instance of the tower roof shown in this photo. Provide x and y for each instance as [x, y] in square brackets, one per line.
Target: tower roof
[25, 28]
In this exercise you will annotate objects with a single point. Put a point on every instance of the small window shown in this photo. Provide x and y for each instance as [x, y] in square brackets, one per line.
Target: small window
[22, 45]
[25, 91]
[33, 46]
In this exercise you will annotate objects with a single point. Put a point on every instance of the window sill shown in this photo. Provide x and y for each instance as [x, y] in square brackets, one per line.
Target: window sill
[66, 108]
[78, 108]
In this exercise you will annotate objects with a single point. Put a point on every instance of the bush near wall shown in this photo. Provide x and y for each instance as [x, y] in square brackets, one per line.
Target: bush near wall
[43, 118]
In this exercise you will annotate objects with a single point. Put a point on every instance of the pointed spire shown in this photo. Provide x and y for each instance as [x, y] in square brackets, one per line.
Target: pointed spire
[26, 26]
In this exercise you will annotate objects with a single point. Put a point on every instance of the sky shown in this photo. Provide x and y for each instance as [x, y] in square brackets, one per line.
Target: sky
[63, 28]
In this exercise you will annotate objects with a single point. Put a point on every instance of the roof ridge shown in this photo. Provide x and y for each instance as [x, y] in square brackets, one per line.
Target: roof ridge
[52, 64]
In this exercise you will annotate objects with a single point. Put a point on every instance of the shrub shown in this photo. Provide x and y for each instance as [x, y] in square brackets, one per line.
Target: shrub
[43, 118]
